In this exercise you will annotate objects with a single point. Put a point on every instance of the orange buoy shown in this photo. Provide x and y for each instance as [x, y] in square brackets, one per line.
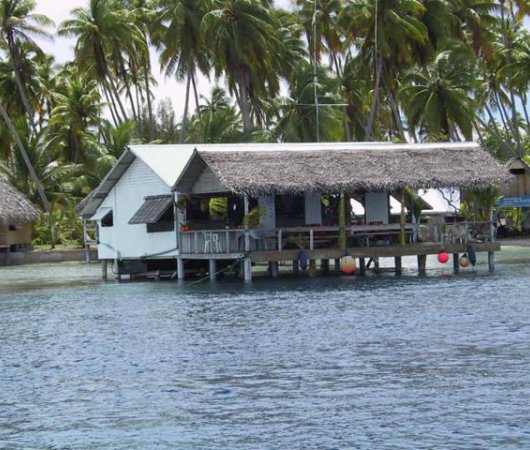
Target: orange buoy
[347, 265]
[464, 261]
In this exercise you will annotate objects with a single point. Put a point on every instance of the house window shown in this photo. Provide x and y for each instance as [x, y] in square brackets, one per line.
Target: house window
[165, 223]
[107, 220]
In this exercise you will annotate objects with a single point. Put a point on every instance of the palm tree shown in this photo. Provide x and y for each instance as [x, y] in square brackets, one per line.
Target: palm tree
[390, 33]
[145, 17]
[116, 139]
[182, 48]
[477, 23]
[76, 118]
[246, 42]
[217, 122]
[321, 16]
[18, 24]
[102, 30]
[438, 98]
[34, 169]
[298, 121]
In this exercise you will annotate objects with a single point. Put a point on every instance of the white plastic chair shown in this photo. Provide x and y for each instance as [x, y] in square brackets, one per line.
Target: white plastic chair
[211, 243]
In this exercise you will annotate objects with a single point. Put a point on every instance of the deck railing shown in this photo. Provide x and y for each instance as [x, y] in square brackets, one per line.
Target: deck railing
[234, 241]
[464, 232]
[279, 239]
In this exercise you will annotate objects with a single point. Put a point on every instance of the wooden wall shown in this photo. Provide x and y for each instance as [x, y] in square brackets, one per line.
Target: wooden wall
[20, 236]
[520, 184]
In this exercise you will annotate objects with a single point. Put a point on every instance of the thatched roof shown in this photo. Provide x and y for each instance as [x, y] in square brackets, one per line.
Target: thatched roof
[323, 167]
[355, 168]
[15, 208]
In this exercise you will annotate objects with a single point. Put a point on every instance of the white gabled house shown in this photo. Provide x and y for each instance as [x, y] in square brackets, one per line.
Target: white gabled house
[134, 204]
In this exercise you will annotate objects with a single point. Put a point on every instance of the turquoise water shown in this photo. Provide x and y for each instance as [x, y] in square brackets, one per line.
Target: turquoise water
[381, 362]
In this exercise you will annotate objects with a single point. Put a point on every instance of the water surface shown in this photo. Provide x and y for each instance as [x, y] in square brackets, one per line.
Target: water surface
[381, 362]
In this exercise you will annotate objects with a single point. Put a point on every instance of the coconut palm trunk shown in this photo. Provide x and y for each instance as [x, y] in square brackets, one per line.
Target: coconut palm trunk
[116, 95]
[151, 119]
[30, 168]
[13, 52]
[243, 102]
[196, 95]
[375, 101]
[111, 107]
[184, 128]
[127, 85]
[112, 102]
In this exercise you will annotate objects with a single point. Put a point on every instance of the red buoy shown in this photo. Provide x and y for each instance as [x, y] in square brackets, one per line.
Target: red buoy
[443, 257]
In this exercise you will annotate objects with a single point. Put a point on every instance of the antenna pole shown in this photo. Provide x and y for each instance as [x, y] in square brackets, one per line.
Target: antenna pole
[315, 76]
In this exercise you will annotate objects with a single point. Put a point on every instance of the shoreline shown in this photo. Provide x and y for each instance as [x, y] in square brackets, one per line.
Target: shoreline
[48, 256]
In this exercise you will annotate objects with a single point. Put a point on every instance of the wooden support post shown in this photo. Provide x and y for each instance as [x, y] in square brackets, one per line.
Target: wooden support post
[296, 267]
[87, 253]
[312, 268]
[491, 229]
[362, 266]
[247, 234]
[491, 261]
[456, 266]
[274, 269]
[324, 265]
[398, 265]
[212, 269]
[247, 269]
[337, 265]
[86, 242]
[402, 218]
[422, 264]
[117, 275]
[104, 273]
[8, 255]
[342, 222]
[180, 269]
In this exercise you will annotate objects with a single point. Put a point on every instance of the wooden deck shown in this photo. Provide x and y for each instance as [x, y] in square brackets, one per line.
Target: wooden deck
[386, 251]
[389, 251]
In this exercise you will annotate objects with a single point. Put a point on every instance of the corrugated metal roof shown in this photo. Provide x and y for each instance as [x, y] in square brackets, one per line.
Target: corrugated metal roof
[152, 209]
[96, 197]
[166, 161]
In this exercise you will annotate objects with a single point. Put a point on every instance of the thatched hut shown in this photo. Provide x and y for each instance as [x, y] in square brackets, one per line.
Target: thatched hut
[17, 214]
[294, 169]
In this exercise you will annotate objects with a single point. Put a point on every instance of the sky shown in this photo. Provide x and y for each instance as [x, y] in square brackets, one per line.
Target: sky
[62, 50]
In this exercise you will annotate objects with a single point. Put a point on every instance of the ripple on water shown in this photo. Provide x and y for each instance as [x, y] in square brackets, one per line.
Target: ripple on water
[382, 362]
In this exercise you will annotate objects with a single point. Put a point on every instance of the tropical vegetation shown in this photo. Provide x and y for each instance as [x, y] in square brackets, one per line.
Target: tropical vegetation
[328, 70]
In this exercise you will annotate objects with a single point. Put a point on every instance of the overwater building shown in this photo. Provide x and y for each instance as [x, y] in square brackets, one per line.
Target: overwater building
[182, 208]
